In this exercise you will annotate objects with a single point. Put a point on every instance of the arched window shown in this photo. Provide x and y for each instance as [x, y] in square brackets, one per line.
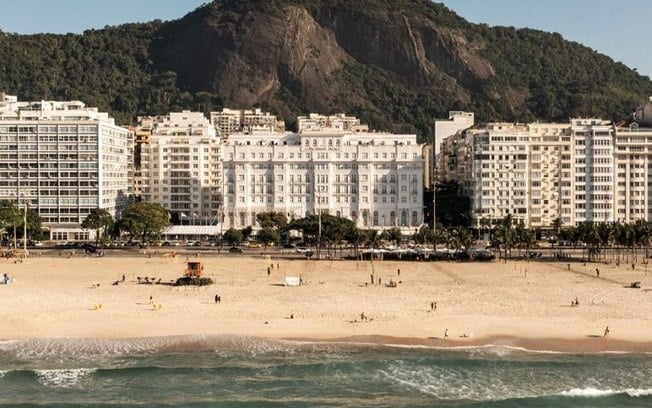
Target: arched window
[403, 218]
[375, 221]
[415, 218]
[392, 218]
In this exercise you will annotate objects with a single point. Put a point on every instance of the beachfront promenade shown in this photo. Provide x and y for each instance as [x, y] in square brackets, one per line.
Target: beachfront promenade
[517, 302]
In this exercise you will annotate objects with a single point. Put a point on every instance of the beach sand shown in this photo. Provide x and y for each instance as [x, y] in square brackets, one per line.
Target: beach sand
[521, 304]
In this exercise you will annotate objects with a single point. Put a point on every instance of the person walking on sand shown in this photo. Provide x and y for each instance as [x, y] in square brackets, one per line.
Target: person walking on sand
[216, 298]
[399, 271]
[597, 272]
[606, 331]
[446, 334]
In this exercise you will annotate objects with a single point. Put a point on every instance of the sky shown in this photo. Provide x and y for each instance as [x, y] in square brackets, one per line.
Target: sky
[612, 27]
[616, 28]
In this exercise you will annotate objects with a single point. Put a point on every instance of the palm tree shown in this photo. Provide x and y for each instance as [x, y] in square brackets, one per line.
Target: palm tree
[556, 228]
[504, 236]
[642, 235]
[524, 238]
[485, 225]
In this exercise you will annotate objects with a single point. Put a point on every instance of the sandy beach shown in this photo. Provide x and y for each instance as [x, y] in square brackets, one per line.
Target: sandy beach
[525, 304]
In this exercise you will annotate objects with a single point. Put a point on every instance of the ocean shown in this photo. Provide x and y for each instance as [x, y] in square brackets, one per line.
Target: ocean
[231, 371]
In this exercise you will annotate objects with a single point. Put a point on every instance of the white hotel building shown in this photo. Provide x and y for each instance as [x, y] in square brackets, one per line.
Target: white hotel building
[375, 179]
[63, 159]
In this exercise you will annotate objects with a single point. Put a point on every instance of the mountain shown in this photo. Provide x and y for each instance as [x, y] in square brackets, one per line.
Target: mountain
[396, 64]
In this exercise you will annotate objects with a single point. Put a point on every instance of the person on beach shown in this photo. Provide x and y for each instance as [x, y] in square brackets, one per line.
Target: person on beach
[399, 271]
[606, 331]
[446, 334]
[568, 266]
[217, 298]
[597, 272]
[432, 305]
[268, 271]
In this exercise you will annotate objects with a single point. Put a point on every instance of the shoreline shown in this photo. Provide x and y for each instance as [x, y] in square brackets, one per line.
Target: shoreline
[543, 345]
[529, 345]
[518, 304]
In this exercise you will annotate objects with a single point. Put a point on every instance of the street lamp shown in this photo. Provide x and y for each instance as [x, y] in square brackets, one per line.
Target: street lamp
[25, 231]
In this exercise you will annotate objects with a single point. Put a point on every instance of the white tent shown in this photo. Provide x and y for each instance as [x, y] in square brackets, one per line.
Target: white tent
[292, 281]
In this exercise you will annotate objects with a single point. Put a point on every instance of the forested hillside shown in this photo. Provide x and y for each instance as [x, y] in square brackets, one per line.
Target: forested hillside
[397, 64]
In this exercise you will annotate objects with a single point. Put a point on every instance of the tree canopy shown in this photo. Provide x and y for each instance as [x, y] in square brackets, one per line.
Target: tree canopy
[145, 220]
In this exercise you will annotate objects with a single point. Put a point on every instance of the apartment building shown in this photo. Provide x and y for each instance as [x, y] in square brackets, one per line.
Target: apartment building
[593, 142]
[181, 167]
[374, 179]
[535, 172]
[633, 166]
[63, 160]
[315, 122]
[230, 121]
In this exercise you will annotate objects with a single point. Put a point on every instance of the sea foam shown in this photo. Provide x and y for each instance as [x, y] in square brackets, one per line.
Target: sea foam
[594, 392]
[64, 378]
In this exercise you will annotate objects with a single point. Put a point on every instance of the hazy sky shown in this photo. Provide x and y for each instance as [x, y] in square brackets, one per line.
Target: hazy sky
[612, 27]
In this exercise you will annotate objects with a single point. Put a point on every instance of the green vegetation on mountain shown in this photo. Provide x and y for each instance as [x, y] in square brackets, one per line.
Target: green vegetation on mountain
[396, 64]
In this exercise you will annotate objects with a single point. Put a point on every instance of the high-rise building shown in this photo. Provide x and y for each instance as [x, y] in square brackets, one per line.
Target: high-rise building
[374, 179]
[181, 167]
[63, 159]
[536, 173]
[442, 130]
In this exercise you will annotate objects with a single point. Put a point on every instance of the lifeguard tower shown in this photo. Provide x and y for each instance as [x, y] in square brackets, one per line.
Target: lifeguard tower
[192, 275]
[194, 270]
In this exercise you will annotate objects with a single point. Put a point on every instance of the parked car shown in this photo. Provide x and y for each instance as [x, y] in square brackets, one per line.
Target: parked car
[89, 248]
[289, 246]
[235, 250]
[253, 245]
[301, 250]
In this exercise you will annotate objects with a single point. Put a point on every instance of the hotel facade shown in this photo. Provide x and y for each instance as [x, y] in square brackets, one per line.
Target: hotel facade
[374, 179]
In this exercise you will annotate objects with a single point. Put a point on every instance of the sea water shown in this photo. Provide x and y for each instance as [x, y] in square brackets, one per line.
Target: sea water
[225, 371]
